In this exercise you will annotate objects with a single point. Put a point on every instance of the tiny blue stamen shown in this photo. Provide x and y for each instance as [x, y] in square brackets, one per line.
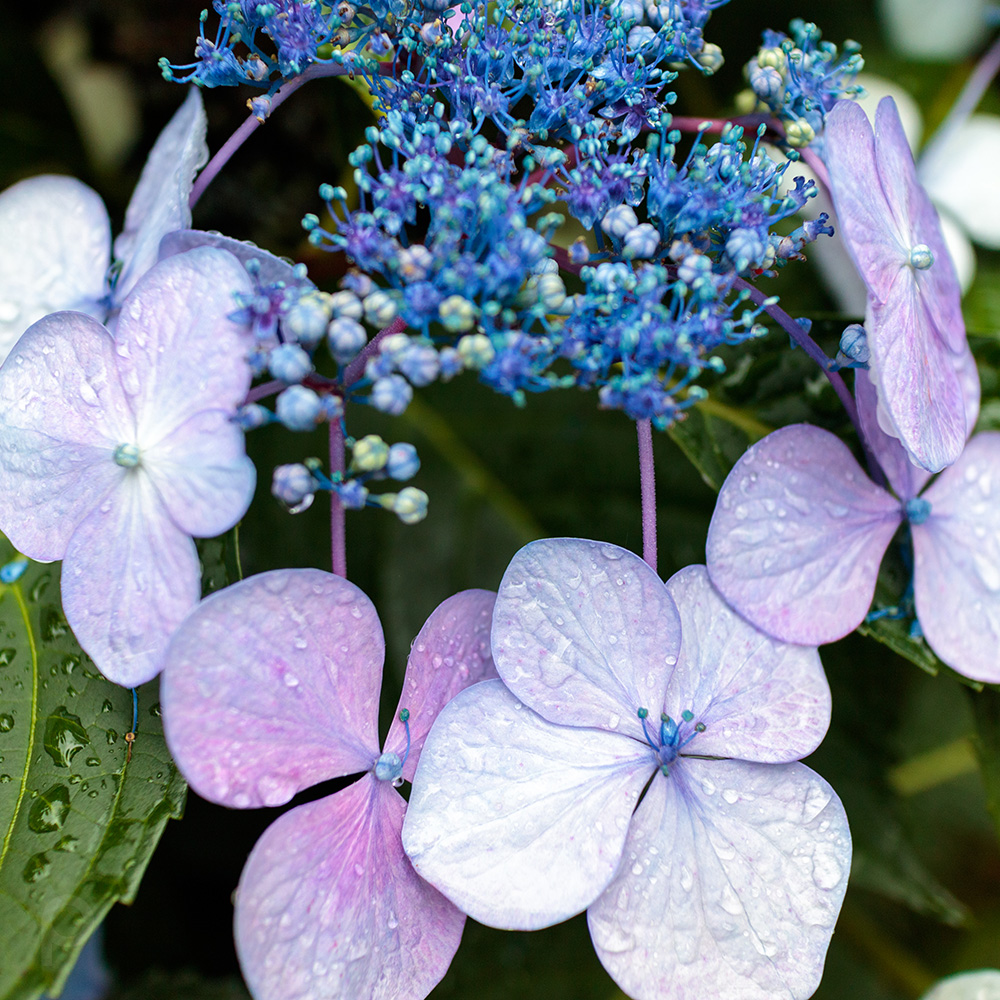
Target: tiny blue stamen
[668, 730]
[921, 257]
[917, 510]
[127, 455]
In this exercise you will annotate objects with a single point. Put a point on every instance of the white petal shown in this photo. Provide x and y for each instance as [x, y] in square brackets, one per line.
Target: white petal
[960, 175]
[983, 984]
[956, 574]
[730, 885]
[54, 254]
[159, 203]
[759, 699]
[517, 821]
[63, 412]
[585, 633]
[129, 578]
[929, 29]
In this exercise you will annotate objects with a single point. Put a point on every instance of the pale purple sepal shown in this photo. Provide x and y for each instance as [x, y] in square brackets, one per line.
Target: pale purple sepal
[922, 400]
[585, 633]
[62, 413]
[730, 885]
[329, 908]
[518, 821]
[55, 249]
[272, 269]
[798, 534]
[760, 699]
[956, 575]
[451, 652]
[203, 474]
[159, 204]
[914, 316]
[129, 577]
[904, 477]
[271, 686]
[179, 352]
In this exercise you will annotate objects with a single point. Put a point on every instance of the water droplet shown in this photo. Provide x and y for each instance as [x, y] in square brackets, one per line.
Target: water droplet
[6, 723]
[53, 625]
[392, 922]
[6, 655]
[731, 795]
[38, 867]
[300, 643]
[4, 779]
[65, 736]
[48, 811]
[826, 870]
[69, 844]
[613, 722]
[40, 585]
[291, 680]
[93, 762]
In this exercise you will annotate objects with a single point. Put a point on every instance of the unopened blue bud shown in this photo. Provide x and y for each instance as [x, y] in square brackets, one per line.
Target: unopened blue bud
[352, 494]
[293, 484]
[419, 363]
[299, 408]
[252, 416]
[306, 320]
[403, 462]
[391, 394]
[290, 363]
[346, 337]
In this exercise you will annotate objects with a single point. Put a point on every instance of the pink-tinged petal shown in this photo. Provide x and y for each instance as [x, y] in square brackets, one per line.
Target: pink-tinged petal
[584, 633]
[272, 686]
[202, 473]
[759, 699]
[159, 204]
[178, 351]
[450, 653]
[876, 242]
[329, 908]
[798, 534]
[54, 255]
[730, 885]
[62, 414]
[904, 477]
[271, 269]
[956, 574]
[916, 380]
[129, 578]
[520, 822]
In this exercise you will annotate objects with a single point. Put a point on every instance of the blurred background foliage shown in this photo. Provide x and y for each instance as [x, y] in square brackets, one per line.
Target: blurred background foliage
[83, 96]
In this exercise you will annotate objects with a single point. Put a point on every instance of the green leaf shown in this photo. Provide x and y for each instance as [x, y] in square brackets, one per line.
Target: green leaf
[712, 442]
[986, 743]
[78, 819]
[220, 561]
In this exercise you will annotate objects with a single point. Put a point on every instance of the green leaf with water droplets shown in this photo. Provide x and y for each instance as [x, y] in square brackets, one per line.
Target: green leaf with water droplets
[78, 821]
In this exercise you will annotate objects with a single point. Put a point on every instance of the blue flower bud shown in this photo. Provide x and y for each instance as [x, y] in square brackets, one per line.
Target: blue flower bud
[391, 394]
[306, 320]
[352, 494]
[419, 363]
[290, 363]
[299, 408]
[252, 416]
[403, 462]
[369, 453]
[346, 337]
[293, 484]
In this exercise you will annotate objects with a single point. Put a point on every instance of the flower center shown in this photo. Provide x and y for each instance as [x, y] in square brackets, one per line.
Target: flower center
[921, 257]
[917, 510]
[127, 455]
[389, 767]
[672, 737]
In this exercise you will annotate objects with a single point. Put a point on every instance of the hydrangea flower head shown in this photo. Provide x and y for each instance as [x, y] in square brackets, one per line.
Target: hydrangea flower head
[271, 686]
[799, 532]
[55, 249]
[727, 878]
[116, 450]
[914, 321]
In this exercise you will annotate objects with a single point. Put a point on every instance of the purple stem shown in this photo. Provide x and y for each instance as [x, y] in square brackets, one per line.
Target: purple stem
[800, 337]
[262, 391]
[252, 123]
[647, 490]
[338, 532]
[356, 368]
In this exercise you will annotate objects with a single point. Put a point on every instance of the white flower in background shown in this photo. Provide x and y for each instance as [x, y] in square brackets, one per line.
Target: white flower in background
[932, 30]
[983, 984]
